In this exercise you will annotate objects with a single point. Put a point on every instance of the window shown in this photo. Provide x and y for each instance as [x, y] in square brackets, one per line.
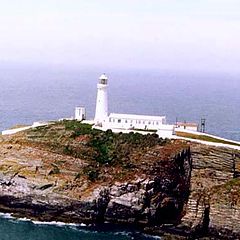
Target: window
[119, 120]
[103, 81]
[126, 121]
[157, 123]
[139, 122]
[143, 122]
[149, 122]
[110, 119]
[113, 120]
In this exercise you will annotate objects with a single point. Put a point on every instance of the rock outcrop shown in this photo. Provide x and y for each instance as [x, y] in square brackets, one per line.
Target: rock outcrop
[150, 187]
[150, 199]
[67, 172]
[214, 203]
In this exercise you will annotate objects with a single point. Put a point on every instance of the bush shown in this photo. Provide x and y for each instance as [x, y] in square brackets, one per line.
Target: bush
[111, 147]
[77, 127]
[102, 145]
[92, 173]
[106, 147]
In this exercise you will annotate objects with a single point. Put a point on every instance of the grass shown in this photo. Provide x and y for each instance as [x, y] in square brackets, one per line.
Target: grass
[227, 193]
[109, 147]
[205, 138]
[98, 148]
[77, 127]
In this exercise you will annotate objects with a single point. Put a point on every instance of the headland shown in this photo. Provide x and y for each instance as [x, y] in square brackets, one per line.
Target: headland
[69, 172]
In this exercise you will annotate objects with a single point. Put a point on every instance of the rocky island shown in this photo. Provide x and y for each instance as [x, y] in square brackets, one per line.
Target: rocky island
[69, 172]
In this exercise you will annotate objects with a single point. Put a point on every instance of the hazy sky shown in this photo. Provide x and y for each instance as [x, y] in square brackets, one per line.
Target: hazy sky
[151, 34]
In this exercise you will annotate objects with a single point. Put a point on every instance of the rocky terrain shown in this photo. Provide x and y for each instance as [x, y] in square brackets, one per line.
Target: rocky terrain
[214, 202]
[68, 172]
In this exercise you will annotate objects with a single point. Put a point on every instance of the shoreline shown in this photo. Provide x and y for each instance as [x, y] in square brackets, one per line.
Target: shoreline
[152, 232]
[99, 228]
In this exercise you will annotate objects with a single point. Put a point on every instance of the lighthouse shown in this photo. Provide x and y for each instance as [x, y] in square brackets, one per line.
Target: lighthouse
[101, 113]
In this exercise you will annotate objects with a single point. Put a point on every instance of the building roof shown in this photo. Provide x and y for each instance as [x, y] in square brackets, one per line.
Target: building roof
[103, 77]
[136, 117]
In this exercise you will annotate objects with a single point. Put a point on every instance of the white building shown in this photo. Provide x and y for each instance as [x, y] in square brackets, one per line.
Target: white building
[121, 121]
[101, 113]
[80, 113]
[133, 121]
[128, 122]
[186, 126]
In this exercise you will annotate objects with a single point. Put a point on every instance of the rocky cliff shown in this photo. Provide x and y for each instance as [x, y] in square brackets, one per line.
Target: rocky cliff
[74, 174]
[214, 203]
[69, 172]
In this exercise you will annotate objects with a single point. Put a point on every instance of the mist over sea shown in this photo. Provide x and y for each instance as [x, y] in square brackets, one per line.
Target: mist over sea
[30, 93]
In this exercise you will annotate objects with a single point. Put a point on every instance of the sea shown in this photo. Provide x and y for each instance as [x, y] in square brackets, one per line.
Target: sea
[24, 229]
[30, 93]
[38, 93]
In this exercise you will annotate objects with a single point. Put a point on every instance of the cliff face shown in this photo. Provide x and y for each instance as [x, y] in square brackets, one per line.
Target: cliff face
[146, 182]
[214, 202]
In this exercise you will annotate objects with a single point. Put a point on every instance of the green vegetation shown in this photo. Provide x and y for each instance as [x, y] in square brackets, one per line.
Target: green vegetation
[92, 173]
[204, 138]
[235, 182]
[228, 193]
[77, 127]
[110, 147]
[99, 149]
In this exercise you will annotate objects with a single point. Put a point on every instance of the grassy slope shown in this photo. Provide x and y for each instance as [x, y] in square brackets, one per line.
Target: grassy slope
[105, 153]
[204, 138]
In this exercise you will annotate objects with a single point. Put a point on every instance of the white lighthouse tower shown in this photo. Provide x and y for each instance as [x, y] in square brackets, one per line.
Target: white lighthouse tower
[102, 101]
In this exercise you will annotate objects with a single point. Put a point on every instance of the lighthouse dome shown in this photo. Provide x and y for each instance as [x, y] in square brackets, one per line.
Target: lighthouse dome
[103, 79]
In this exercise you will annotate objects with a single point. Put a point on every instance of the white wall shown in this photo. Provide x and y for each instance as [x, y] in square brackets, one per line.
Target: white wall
[80, 113]
[13, 131]
[101, 104]
[191, 128]
[125, 123]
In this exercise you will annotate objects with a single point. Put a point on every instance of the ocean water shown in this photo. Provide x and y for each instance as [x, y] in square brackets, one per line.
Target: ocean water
[30, 93]
[13, 229]
[36, 93]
